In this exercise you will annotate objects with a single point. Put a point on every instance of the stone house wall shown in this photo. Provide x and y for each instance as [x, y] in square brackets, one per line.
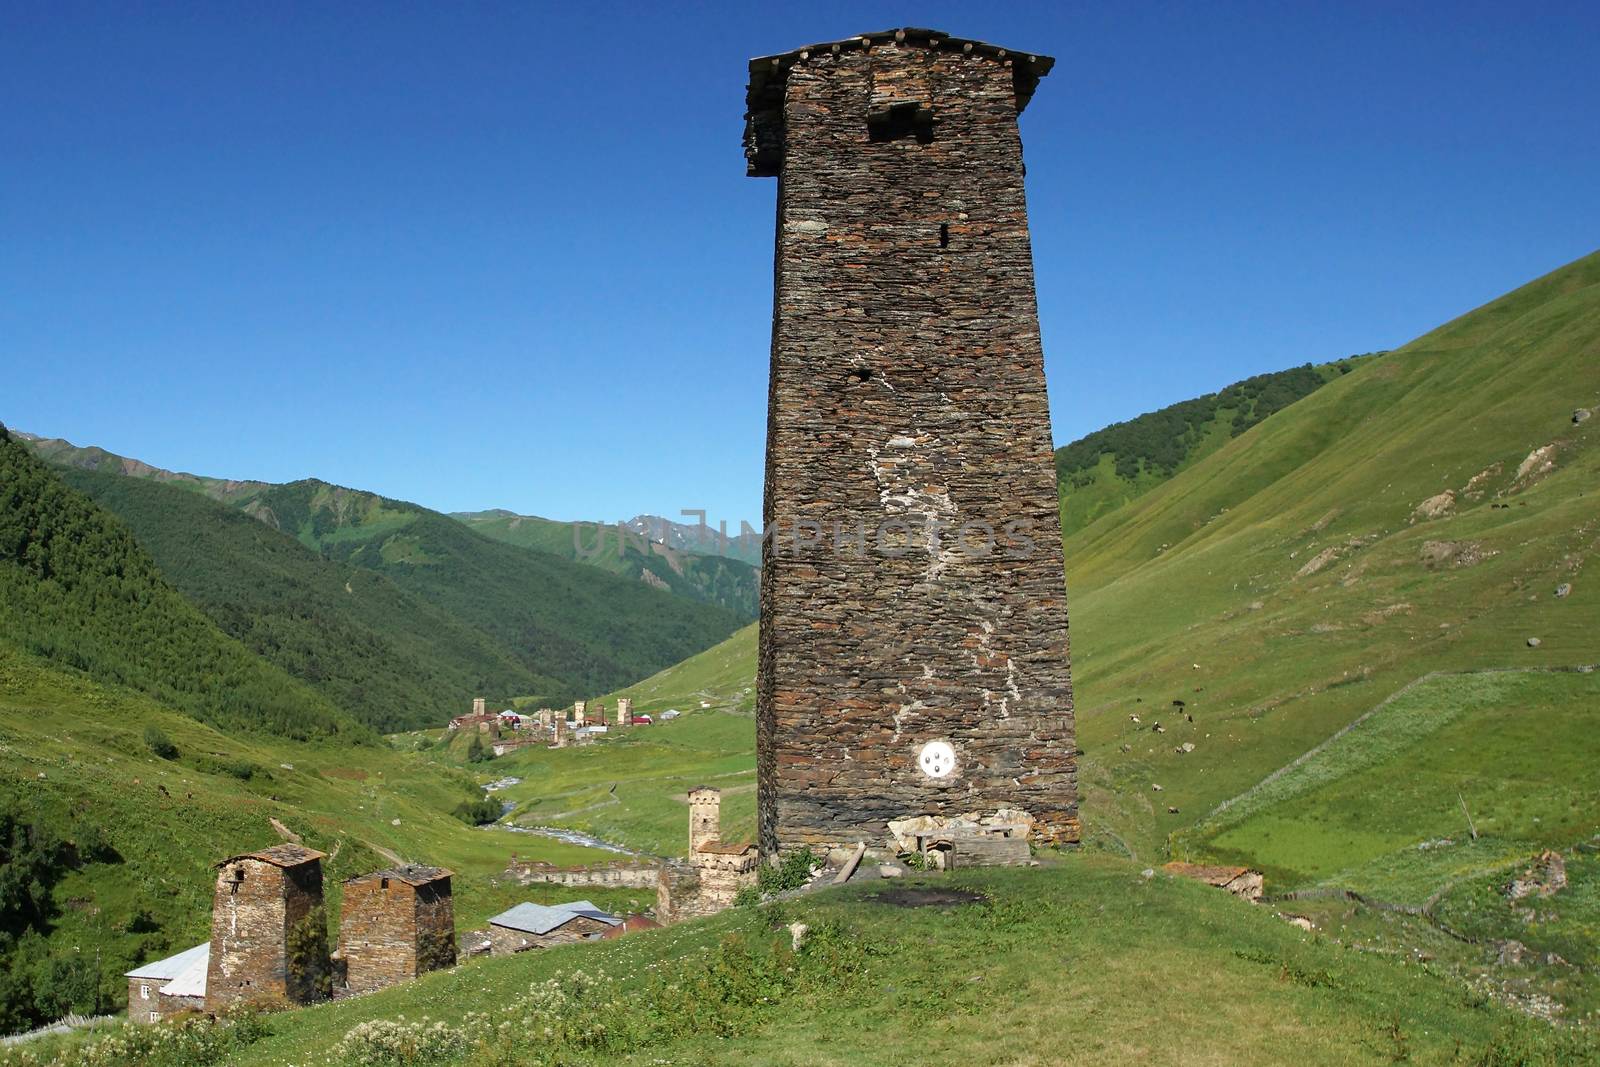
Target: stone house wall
[614, 875]
[144, 1000]
[913, 591]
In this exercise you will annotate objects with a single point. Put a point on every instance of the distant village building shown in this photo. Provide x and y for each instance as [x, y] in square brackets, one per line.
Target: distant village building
[578, 708]
[1242, 882]
[268, 939]
[162, 988]
[396, 924]
[540, 926]
[481, 719]
[624, 711]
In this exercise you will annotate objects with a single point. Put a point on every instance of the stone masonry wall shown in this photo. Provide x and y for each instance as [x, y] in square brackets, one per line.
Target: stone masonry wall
[436, 927]
[392, 932]
[637, 875]
[378, 933]
[907, 387]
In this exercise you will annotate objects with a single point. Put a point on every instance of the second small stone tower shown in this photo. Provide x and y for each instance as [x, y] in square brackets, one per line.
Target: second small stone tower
[395, 925]
[269, 944]
[913, 649]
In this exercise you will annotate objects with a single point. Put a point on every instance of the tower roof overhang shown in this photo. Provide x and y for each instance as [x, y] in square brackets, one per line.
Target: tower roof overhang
[768, 75]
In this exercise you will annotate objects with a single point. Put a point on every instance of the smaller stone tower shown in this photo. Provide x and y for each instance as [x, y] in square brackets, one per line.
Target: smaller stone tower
[395, 925]
[479, 706]
[269, 944]
[578, 708]
[705, 817]
[624, 711]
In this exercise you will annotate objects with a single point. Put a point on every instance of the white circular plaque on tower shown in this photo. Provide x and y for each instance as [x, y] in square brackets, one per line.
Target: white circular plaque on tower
[937, 759]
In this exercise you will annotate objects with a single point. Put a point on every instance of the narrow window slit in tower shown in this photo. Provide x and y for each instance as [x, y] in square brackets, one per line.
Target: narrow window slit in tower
[944, 235]
[861, 374]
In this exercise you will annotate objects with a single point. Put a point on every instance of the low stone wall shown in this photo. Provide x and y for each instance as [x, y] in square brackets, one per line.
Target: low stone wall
[636, 875]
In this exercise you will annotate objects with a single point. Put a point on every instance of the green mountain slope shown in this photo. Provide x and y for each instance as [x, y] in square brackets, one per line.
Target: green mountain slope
[1418, 514]
[75, 588]
[1110, 467]
[504, 619]
[388, 657]
[589, 630]
[728, 582]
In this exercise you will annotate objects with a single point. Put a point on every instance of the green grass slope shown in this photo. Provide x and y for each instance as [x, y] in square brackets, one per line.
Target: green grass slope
[386, 656]
[1294, 578]
[718, 580]
[1108, 468]
[1086, 961]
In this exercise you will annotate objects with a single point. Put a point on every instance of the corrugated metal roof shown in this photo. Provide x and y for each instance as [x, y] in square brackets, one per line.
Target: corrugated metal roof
[192, 981]
[172, 966]
[534, 918]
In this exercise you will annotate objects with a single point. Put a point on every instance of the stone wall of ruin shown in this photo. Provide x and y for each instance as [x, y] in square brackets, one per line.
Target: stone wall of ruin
[613, 875]
[907, 386]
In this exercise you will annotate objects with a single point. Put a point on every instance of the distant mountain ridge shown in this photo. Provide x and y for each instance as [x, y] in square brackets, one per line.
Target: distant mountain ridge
[527, 622]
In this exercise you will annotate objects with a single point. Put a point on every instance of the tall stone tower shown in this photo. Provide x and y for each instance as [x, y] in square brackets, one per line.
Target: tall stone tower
[268, 942]
[913, 656]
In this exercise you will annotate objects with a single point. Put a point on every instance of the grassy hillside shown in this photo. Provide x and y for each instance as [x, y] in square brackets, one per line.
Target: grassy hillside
[388, 657]
[1415, 515]
[714, 579]
[131, 879]
[1108, 468]
[1086, 961]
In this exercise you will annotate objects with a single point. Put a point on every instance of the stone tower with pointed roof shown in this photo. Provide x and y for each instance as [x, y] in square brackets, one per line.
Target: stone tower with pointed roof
[913, 656]
[268, 939]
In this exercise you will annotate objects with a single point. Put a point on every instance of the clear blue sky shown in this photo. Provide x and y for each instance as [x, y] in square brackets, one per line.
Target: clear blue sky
[505, 255]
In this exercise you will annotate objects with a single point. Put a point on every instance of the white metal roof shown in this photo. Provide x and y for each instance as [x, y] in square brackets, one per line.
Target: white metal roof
[172, 966]
[192, 982]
